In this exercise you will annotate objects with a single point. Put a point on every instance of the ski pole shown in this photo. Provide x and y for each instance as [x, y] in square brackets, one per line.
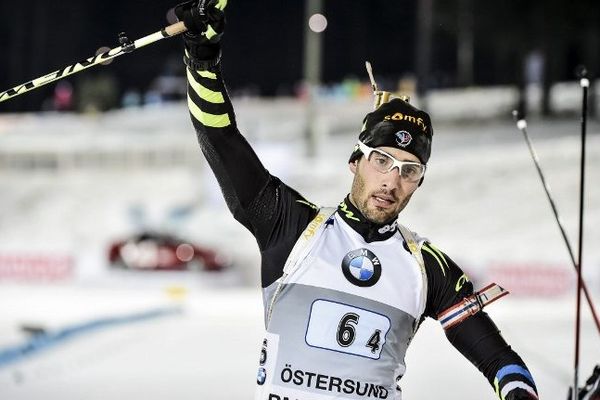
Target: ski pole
[584, 83]
[126, 46]
[522, 126]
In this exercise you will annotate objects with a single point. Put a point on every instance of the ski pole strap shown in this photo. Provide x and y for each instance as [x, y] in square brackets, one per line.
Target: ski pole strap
[470, 305]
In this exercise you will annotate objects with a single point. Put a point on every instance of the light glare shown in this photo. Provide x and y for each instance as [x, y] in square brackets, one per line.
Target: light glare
[317, 23]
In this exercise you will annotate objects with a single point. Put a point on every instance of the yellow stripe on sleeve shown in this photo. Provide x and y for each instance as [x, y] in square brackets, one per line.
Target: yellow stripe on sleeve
[204, 93]
[207, 74]
[210, 120]
[427, 249]
[439, 253]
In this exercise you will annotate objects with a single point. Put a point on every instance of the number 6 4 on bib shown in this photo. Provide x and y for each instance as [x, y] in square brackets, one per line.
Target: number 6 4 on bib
[346, 329]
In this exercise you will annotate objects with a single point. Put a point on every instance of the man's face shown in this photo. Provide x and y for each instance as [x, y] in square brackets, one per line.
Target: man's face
[381, 196]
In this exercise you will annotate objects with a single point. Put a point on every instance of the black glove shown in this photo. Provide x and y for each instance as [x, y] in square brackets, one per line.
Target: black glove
[520, 394]
[205, 23]
[591, 389]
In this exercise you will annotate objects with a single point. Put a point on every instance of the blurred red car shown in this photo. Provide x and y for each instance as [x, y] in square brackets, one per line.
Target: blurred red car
[157, 251]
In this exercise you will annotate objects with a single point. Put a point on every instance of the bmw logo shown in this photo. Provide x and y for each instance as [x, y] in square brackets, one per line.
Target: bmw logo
[403, 138]
[361, 267]
[261, 377]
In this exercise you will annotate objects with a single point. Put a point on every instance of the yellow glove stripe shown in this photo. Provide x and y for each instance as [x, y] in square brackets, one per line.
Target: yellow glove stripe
[210, 32]
[497, 387]
[206, 119]
[221, 4]
[203, 92]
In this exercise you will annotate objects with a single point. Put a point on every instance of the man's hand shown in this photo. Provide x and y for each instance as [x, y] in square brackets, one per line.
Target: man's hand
[203, 18]
[205, 23]
[520, 394]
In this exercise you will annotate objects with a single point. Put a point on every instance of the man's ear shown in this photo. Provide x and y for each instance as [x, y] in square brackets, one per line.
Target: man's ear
[353, 165]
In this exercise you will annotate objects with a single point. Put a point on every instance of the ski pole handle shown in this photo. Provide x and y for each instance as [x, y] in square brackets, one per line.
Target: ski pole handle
[175, 29]
[126, 46]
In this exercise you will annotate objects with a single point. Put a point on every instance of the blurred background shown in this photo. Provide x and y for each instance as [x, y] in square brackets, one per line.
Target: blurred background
[427, 44]
[122, 273]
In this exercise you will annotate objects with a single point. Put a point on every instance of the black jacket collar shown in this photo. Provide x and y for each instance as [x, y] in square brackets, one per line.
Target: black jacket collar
[370, 231]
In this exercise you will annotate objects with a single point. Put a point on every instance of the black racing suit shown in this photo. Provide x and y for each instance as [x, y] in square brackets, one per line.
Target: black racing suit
[276, 215]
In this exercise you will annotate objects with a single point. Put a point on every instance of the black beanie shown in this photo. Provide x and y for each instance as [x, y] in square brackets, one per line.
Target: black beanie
[397, 124]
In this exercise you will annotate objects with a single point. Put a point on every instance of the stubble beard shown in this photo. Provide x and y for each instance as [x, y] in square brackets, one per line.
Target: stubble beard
[376, 215]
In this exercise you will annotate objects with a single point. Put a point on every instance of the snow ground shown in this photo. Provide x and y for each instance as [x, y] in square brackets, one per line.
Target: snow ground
[210, 350]
[481, 202]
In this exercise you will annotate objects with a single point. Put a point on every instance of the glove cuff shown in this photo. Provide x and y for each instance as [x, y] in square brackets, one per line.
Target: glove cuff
[199, 53]
[202, 65]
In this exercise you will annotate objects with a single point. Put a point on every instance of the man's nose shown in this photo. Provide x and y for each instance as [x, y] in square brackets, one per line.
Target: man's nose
[391, 179]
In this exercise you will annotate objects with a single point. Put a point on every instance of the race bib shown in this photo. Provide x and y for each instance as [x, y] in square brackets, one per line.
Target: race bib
[346, 329]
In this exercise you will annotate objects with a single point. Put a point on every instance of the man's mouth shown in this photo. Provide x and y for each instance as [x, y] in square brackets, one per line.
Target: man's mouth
[383, 200]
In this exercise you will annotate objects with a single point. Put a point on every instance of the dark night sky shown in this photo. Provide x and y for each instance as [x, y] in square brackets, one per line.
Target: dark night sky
[263, 43]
